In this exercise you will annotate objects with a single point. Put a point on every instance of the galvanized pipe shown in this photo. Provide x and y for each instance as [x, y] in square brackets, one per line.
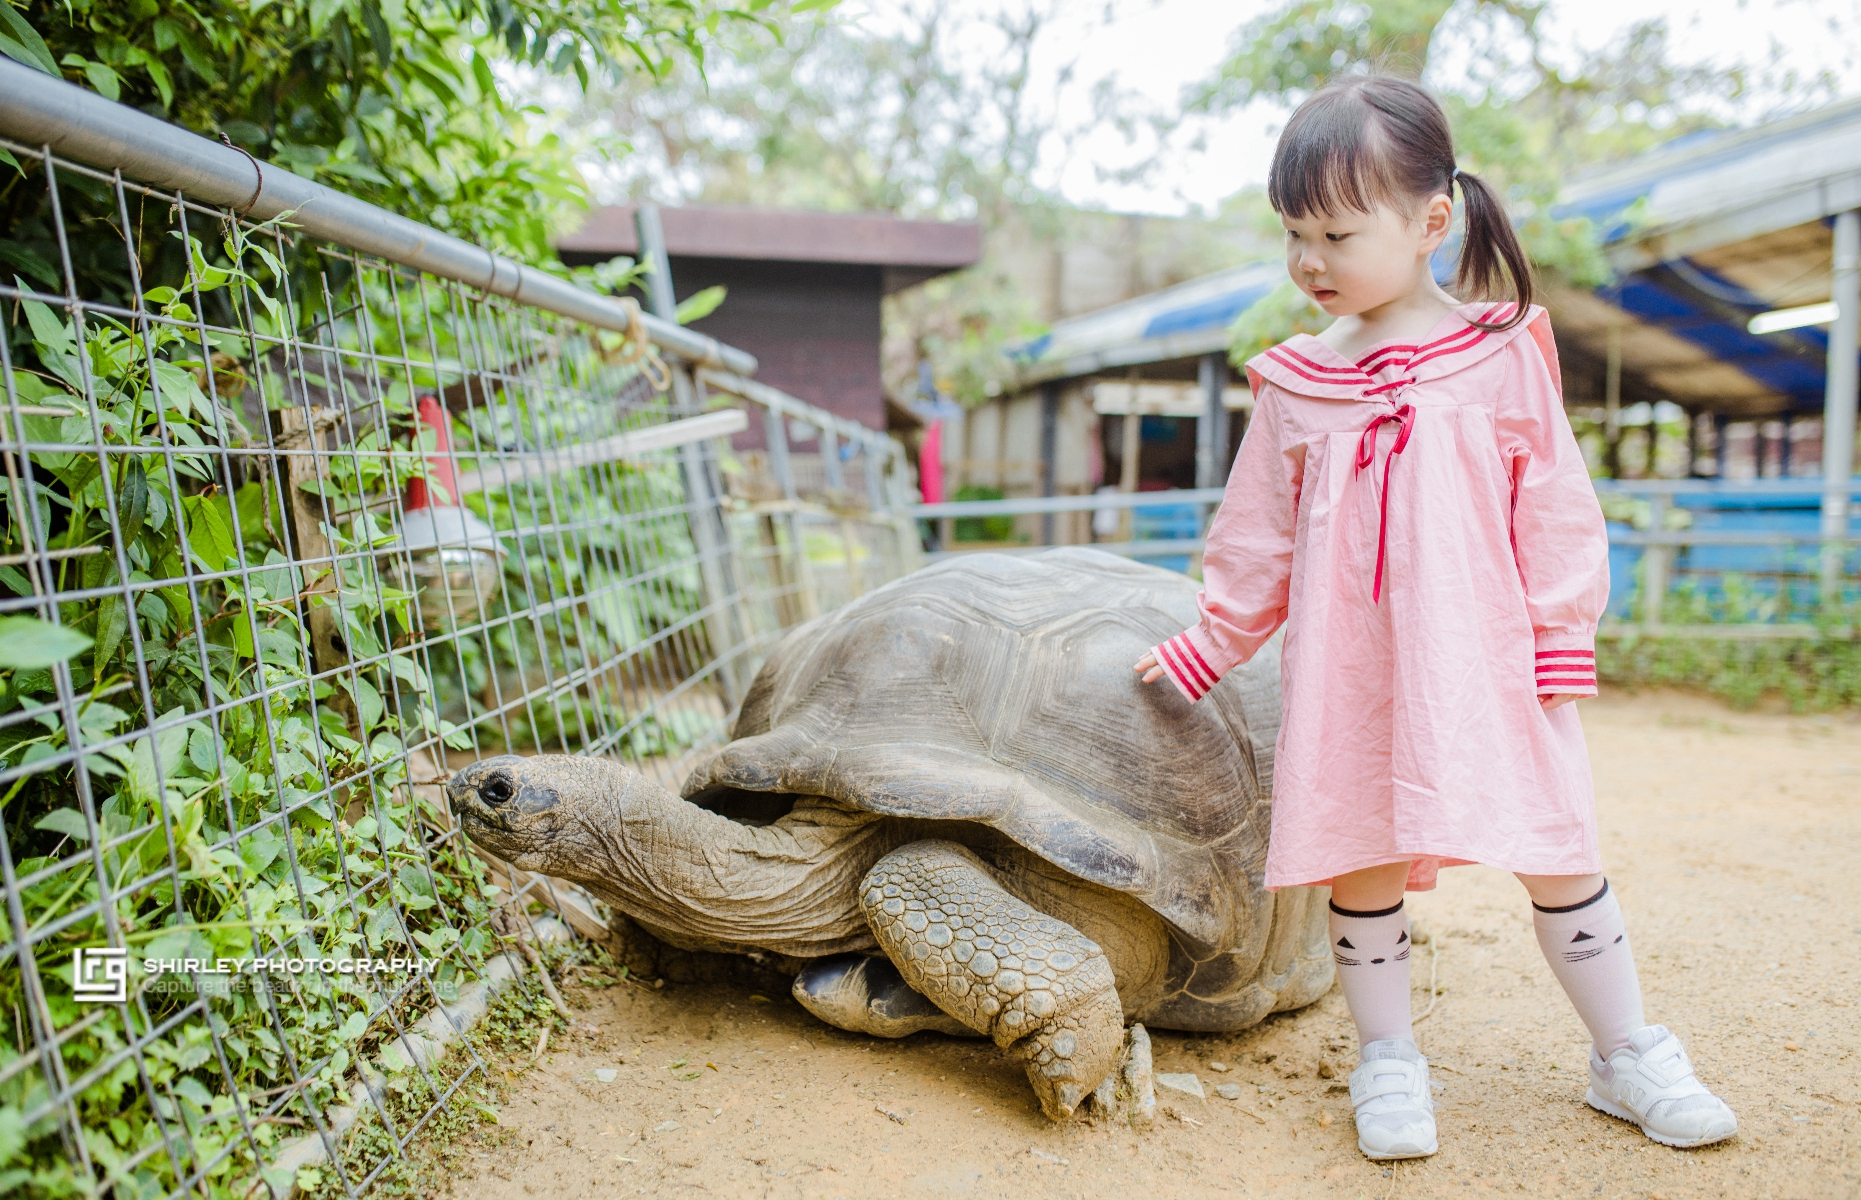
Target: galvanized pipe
[1838, 419]
[37, 110]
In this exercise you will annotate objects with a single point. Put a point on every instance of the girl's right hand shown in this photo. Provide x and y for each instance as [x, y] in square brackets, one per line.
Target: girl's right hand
[1151, 669]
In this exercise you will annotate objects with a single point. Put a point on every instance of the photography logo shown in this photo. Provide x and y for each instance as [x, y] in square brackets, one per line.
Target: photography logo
[100, 975]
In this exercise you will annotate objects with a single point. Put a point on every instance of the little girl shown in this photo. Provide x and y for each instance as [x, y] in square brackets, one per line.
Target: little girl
[1411, 503]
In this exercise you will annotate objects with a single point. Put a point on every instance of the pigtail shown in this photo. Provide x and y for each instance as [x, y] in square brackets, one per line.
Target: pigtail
[1488, 245]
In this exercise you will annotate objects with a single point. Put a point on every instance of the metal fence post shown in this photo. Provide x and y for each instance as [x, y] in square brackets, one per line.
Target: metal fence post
[702, 502]
[836, 487]
[898, 484]
[775, 432]
[1838, 419]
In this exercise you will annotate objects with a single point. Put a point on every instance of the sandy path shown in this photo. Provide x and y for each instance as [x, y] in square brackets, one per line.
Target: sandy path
[1734, 840]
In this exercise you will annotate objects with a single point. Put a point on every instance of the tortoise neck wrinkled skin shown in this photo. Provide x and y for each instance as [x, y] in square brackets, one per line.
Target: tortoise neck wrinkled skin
[701, 881]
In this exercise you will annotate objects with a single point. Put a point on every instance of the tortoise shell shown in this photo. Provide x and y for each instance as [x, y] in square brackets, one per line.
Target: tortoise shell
[998, 689]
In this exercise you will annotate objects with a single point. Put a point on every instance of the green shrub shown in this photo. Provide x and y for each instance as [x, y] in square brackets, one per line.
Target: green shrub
[982, 529]
[1807, 674]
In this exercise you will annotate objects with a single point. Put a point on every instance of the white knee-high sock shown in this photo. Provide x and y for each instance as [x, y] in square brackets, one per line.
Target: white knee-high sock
[1588, 949]
[1371, 950]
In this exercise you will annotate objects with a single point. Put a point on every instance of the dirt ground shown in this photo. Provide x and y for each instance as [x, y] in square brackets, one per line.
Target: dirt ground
[1733, 839]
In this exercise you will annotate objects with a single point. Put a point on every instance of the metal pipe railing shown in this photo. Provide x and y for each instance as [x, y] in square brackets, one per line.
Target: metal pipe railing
[1039, 505]
[82, 126]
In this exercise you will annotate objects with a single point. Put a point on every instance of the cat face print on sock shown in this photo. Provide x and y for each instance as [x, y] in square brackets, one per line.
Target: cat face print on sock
[1345, 954]
[1587, 945]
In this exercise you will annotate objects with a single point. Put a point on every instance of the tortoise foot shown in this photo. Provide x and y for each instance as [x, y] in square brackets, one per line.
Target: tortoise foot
[863, 994]
[999, 966]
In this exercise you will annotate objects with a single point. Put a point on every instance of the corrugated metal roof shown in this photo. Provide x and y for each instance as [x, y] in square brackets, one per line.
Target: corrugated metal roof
[1178, 322]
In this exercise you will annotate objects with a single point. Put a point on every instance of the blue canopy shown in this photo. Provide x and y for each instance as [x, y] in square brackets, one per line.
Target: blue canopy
[1706, 232]
[1178, 322]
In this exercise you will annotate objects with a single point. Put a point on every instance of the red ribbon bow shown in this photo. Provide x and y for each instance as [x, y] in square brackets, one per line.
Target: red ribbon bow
[1404, 419]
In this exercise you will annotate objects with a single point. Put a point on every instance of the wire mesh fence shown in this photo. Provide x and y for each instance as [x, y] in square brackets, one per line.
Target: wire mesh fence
[290, 531]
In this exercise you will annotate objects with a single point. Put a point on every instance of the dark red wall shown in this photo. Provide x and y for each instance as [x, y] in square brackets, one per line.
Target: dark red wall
[813, 327]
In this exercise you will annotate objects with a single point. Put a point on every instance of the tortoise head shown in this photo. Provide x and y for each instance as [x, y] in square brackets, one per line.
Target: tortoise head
[540, 813]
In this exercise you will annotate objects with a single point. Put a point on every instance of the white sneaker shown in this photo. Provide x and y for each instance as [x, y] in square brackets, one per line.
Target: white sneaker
[1651, 1083]
[1395, 1109]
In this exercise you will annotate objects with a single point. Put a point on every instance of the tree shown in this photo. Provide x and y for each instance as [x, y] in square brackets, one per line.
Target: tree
[405, 105]
[1521, 121]
[924, 110]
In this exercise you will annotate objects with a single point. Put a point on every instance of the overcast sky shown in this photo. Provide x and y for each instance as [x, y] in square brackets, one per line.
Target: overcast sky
[1154, 47]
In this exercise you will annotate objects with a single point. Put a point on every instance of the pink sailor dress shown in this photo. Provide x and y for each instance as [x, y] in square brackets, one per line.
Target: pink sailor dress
[1422, 523]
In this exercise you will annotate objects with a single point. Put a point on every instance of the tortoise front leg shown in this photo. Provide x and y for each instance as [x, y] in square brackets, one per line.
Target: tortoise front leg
[999, 966]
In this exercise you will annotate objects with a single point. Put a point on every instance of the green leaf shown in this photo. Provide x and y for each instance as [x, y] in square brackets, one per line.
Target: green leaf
[210, 531]
[368, 704]
[164, 83]
[30, 642]
[104, 80]
[24, 44]
[25, 257]
[132, 499]
[112, 625]
[700, 305]
[68, 821]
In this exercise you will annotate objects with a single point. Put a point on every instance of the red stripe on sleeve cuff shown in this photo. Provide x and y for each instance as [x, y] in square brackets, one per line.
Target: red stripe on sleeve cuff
[1192, 661]
[1186, 680]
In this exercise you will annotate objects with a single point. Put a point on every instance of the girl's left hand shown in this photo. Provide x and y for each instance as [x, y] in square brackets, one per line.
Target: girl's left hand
[1151, 668]
[1551, 702]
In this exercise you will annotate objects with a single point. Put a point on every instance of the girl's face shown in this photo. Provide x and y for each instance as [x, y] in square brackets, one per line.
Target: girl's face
[1353, 262]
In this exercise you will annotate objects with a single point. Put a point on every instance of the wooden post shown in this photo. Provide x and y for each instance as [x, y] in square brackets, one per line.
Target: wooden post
[1211, 430]
[1128, 460]
[1655, 562]
[1049, 437]
[1612, 403]
[955, 430]
[301, 461]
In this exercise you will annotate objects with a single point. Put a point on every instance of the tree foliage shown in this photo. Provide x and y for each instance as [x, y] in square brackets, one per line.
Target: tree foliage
[922, 110]
[1521, 120]
[405, 105]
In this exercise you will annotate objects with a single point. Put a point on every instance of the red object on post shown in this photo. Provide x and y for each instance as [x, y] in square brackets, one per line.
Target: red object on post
[930, 463]
[439, 463]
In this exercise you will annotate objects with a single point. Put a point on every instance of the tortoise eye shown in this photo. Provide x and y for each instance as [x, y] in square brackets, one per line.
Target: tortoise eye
[497, 790]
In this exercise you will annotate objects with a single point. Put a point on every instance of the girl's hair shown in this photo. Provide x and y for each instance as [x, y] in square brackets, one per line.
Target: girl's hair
[1372, 139]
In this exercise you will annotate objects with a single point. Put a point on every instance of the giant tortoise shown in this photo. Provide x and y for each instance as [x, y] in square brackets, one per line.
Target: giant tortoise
[959, 772]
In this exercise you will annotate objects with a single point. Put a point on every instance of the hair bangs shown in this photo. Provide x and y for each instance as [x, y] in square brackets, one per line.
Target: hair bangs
[1332, 159]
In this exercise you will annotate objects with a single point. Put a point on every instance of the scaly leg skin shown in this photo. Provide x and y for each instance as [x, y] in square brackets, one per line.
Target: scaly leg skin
[999, 966]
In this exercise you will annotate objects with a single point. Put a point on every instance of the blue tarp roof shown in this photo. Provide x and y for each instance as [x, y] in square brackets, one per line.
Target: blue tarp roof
[1713, 228]
[1178, 322]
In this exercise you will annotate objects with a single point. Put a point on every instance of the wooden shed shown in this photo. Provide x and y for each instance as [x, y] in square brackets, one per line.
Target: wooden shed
[804, 288]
